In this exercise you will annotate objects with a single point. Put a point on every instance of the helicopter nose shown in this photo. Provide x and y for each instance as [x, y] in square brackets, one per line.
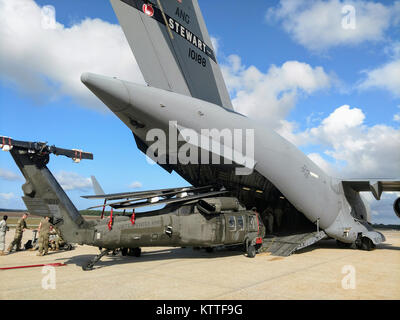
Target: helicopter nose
[111, 91]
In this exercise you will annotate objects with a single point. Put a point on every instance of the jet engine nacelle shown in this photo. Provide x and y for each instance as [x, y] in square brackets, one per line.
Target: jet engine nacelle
[396, 207]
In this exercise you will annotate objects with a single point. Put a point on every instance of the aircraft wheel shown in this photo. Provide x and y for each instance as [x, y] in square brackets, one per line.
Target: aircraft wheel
[67, 247]
[367, 244]
[343, 245]
[87, 267]
[209, 249]
[251, 251]
[137, 252]
[124, 251]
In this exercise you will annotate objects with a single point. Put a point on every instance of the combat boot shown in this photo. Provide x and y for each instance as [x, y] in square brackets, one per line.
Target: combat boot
[40, 254]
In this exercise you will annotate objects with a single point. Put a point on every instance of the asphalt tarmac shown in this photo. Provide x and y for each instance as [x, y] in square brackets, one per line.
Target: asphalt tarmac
[322, 271]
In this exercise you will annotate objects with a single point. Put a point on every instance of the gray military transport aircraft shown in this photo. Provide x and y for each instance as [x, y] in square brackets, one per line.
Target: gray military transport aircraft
[185, 90]
[187, 100]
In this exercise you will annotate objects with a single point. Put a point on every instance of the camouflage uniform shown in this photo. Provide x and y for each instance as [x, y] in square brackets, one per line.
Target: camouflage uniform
[44, 236]
[19, 229]
[278, 213]
[59, 240]
[3, 230]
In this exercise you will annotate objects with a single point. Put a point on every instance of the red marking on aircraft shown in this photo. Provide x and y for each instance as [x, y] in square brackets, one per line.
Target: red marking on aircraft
[148, 9]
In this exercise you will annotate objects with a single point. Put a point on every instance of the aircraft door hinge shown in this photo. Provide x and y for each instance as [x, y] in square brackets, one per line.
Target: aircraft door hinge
[317, 223]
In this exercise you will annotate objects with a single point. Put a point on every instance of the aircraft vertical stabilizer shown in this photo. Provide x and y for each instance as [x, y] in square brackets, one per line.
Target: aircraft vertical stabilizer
[172, 46]
[98, 190]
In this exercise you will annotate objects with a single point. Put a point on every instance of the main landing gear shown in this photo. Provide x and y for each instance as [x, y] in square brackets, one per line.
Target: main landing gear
[362, 243]
[365, 244]
[135, 252]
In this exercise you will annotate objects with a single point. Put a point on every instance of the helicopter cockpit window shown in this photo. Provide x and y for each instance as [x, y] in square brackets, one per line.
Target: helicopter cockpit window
[240, 223]
[252, 223]
[232, 223]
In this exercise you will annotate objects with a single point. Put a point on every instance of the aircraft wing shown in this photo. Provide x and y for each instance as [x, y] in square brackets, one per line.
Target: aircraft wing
[374, 186]
[172, 47]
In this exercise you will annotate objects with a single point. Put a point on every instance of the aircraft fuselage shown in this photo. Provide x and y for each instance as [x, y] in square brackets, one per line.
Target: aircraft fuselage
[317, 195]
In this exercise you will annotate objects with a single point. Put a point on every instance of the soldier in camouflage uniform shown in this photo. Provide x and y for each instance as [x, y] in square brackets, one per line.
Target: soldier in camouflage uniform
[3, 230]
[268, 215]
[44, 232]
[52, 238]
[59, 241]
[278, 214]
[56, 239]
[19, 230]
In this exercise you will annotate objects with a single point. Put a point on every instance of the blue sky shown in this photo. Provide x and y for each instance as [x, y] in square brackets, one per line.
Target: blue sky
[271, 40]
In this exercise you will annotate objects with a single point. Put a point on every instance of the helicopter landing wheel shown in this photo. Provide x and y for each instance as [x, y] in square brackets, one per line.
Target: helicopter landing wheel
[136, 252]
[251, 251]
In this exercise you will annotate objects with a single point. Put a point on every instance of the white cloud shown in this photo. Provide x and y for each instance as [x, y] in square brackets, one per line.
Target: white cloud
[135, 185]
[215, 44]
[288, 130]
[385, 77]
[367, 152]
[317, 24]
[321, 162]
[9, 175]
[73, 181]
[357, 151]
[49, 61]
[270, 96]
[7, 196]
[382, 210]
[393, 49]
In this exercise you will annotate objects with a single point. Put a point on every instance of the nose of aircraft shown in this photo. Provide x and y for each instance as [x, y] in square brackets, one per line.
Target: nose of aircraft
[111, 91]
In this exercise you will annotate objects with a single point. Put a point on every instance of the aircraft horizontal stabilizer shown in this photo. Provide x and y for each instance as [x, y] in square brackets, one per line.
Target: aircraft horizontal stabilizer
[376, 187]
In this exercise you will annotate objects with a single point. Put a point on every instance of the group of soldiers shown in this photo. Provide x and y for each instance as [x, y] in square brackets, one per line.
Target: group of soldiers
[46, 230]
[273, 214]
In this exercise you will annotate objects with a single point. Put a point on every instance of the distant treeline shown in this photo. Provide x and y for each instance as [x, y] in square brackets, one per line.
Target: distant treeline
[386, 226]
[93, 212]
[12, 210]
[82, 212]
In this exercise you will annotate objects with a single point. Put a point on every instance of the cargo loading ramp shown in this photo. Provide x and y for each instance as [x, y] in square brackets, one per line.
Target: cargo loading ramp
[285, 245]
